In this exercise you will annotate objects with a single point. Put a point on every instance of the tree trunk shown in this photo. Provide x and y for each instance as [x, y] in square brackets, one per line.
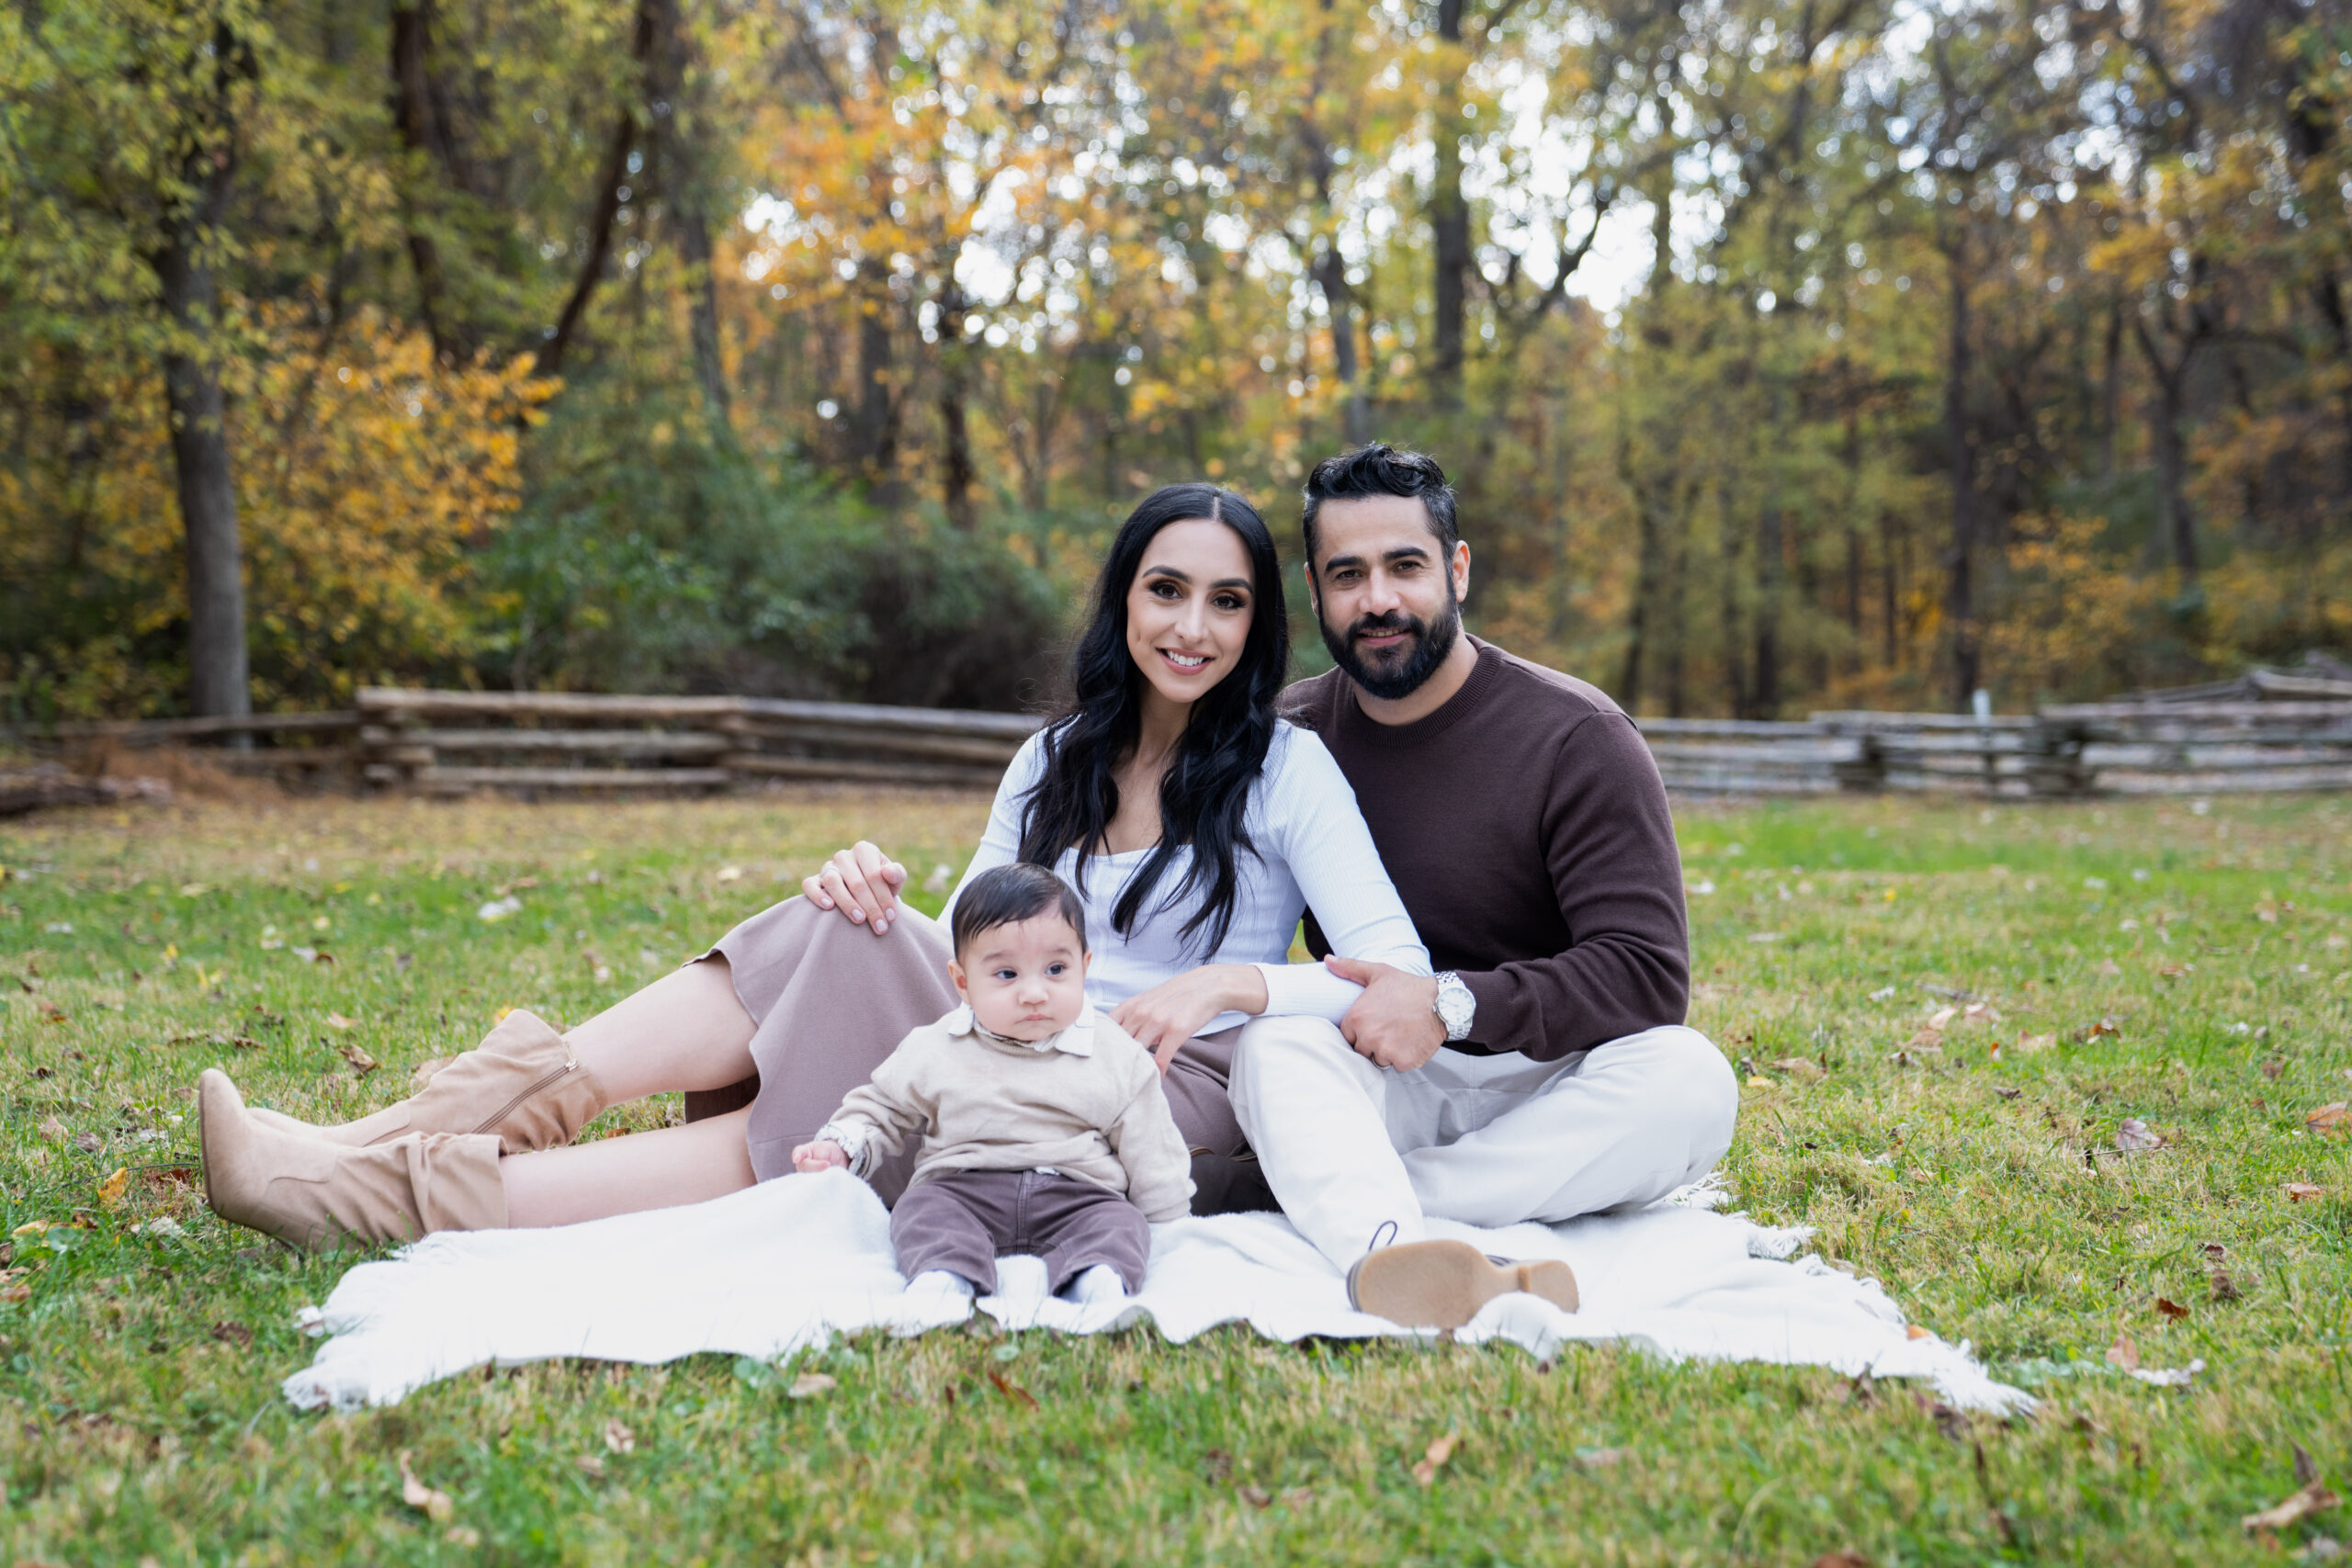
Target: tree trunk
[216, 594]
[420, 135]
[1960, 603]
[873, 428]
[611, 179]
[1450, 215]
[1338, 300]
[2110, 395]
[957, 471]
[2175, 522]
[683, 183]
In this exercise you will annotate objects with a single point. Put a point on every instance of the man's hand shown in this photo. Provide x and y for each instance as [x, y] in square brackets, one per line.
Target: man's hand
[1165, 1018]
[862, 883]
[822, 1154]
[1395, 1023]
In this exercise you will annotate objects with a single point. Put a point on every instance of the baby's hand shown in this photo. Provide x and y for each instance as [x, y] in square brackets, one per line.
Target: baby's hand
[822, 1154]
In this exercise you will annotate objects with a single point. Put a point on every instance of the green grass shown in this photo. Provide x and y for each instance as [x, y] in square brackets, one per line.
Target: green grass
[138, 1370]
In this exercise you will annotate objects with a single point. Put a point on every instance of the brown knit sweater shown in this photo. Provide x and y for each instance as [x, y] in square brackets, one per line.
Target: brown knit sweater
[1527, 830]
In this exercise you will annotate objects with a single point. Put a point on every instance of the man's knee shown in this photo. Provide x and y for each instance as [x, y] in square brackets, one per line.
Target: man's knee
[1273, 1055]
[1693, 1075]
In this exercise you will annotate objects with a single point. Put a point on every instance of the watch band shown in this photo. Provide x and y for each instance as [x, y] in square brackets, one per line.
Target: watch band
[1456, 1005]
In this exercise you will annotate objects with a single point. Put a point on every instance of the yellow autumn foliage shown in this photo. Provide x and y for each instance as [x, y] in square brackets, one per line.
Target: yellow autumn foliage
[372, 474]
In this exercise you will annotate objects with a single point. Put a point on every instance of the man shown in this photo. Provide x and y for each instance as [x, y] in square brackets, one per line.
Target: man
[1544, 1072]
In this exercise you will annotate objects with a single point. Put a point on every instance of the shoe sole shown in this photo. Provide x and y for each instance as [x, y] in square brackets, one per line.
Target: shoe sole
[1443, 1284]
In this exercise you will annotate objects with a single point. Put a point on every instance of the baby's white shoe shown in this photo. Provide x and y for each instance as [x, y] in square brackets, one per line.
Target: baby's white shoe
[1100, 1283]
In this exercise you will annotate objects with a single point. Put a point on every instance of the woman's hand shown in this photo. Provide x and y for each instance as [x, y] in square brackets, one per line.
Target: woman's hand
[822, 1154]
[1171, 1012]
[862, 883]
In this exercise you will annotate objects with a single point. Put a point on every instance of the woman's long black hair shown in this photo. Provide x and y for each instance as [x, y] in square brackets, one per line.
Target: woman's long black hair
[1204, 794]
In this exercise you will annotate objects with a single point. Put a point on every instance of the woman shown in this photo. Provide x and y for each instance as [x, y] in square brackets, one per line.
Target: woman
[1196, 825]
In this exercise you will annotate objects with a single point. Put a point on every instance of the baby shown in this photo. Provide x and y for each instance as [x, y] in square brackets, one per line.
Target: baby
[1047, 1129]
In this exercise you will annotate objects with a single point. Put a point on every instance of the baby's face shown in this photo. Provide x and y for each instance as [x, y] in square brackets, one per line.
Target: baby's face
[1025, 980]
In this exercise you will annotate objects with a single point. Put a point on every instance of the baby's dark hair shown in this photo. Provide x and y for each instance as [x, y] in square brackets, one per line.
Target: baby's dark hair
[1007, 895]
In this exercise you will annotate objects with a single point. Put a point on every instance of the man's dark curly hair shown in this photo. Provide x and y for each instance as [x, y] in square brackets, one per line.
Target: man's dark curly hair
[1381, 470]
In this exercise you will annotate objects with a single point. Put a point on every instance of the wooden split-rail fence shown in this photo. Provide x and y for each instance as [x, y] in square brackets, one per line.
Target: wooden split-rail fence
[440, 743]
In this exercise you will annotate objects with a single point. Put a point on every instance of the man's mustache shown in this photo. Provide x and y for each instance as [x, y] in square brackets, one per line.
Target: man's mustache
[1394, 621]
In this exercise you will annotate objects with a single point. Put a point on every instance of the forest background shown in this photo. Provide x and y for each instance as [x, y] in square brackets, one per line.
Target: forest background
[1787, 352]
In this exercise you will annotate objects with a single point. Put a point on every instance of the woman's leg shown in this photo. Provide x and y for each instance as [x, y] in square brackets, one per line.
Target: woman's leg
[660, 1170]
[685, 1031]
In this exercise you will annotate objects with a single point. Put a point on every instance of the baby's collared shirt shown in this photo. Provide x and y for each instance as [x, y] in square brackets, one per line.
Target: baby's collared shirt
[1077, 1040]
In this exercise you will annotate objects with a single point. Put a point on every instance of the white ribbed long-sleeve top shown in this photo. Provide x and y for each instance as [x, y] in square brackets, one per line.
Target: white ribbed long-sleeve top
[1312, 849]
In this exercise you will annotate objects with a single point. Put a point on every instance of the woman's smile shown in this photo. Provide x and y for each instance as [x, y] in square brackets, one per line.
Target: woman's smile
[1188, 609]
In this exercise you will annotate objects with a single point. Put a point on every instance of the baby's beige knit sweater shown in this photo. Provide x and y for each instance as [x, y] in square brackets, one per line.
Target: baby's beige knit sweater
[1087, 1103]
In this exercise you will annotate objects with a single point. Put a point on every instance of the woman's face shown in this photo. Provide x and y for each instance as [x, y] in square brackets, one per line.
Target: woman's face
[1188, 609]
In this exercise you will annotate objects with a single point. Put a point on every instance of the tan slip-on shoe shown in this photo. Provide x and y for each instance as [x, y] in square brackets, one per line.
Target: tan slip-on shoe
[1441, 1284]
[523, 1083]
[317, 1194]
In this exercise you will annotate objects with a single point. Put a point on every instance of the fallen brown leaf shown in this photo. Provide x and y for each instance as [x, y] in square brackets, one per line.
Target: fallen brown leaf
[2329, 1119]
[1012, 1391]
[361, 1061]
[1256, 1496]
[53, 1130]
[2030, 1045]
[435, 1505]
[424, 1072]
[618, 1438]
[1798, 1068]
[2135, 1137]
[2123, 1353]
[592, 1466]
[89, 1142]
[111, 1190]
[1841, 1560]
[235, 1334]
[2300, 1192]
[2171, 1309]
[50, 1012]
[336, 1021]
[1434, 1456]
[2314, 1498]
[809, 1385]
[2105, 1026]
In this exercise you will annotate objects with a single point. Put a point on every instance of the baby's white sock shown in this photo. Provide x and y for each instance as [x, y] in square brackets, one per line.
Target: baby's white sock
[1099, 1283]
[939, 1283]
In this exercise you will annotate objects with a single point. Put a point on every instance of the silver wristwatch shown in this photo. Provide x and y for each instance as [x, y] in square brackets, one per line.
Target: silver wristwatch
[1455, 1006]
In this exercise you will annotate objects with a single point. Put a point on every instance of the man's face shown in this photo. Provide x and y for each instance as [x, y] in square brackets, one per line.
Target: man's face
[1389, 604]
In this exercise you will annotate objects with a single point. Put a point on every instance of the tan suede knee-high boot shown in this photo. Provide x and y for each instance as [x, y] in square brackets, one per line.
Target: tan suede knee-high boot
[318, 1195]
[521, 1083]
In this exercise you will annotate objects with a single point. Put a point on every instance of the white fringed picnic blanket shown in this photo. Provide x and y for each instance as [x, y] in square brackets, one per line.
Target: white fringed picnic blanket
[768, 1270]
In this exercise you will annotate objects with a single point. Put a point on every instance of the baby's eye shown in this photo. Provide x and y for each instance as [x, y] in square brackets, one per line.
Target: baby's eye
[1057, 970]
[1005, 975]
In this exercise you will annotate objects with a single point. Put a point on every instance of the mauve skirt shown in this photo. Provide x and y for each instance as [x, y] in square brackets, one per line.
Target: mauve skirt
[829, 1000]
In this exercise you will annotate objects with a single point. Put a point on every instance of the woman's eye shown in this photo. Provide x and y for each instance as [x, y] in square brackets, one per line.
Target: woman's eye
[1231, 601]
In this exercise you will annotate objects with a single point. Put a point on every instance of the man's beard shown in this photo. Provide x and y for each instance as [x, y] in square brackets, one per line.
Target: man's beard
[1400, 672]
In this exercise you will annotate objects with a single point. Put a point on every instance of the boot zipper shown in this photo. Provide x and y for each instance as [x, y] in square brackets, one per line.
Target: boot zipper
[569, 1063]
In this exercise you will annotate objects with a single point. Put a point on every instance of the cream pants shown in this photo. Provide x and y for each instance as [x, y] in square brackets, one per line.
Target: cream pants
[1349, 1148]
